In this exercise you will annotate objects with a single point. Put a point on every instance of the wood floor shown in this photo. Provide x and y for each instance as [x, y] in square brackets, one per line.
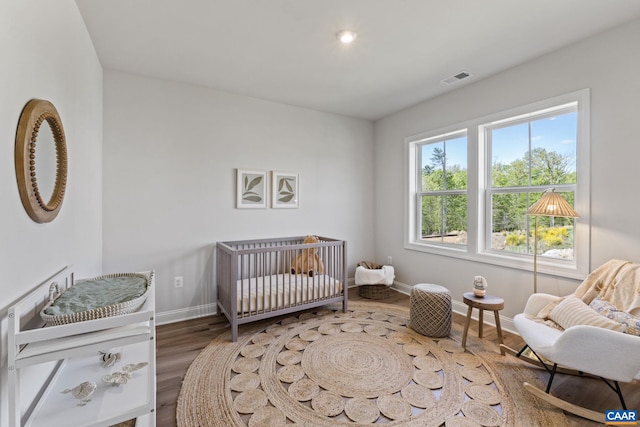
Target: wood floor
[178, 344]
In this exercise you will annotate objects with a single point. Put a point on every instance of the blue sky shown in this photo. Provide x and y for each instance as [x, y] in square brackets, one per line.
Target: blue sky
[456, 150]
[554, 134]
[510, 143]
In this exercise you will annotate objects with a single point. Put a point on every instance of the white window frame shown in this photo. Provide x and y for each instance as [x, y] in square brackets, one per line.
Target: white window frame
[413, 229]
[478, 165]
[445, 192]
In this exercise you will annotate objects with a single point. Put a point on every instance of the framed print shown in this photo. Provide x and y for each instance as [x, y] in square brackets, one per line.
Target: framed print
[285, 191]
[251, 189]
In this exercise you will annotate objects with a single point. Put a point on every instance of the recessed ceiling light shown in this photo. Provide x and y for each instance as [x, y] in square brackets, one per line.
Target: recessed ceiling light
[346, 36]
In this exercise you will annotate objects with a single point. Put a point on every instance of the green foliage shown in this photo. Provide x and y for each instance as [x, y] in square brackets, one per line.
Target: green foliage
[445, 214]
[546, 168]
[555, 237]
[247, 194]
[285, 189]
[516, 240]
[548, 238]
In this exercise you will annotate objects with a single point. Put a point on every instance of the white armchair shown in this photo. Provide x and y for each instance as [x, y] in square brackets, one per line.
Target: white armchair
[582, 347]
[587, 342]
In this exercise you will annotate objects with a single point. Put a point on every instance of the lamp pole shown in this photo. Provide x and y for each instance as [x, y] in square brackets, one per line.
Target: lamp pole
[549, 204]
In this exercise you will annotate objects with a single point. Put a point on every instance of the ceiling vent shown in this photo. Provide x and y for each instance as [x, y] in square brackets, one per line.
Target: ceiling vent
[456, 78]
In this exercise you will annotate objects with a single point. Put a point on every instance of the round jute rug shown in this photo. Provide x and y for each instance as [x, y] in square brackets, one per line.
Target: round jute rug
[329, 368]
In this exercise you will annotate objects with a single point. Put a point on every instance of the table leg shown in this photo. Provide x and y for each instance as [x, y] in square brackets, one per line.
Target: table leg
[480, 323]
[499, 329]
[466, 327]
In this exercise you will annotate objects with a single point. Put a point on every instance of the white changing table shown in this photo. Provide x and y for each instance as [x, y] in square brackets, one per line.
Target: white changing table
[57, 358]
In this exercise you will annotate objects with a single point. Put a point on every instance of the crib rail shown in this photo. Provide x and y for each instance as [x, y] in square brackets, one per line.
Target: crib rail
[255, 279]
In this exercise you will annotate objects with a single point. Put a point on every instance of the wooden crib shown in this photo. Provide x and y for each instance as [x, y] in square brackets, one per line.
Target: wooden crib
[255, 281]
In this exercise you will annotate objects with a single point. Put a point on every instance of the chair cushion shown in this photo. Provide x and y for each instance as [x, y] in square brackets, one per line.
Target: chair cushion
[537, 334]
[608, 310]
[573, 311]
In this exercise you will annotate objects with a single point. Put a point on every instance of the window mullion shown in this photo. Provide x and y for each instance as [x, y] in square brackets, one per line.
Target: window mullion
[530, 165]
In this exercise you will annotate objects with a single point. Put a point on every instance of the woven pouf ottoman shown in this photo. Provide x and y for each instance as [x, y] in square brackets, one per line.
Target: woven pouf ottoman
[430, 312]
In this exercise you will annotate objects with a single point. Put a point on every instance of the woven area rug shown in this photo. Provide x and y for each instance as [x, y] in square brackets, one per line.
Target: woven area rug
[363, 367]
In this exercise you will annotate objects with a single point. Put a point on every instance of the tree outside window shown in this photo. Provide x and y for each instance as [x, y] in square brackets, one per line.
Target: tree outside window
[529, 156]
[443, 190]
[470, 184]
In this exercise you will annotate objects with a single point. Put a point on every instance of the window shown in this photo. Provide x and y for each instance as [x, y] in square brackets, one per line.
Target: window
[470, 185]
[442, 194]
[529, 155]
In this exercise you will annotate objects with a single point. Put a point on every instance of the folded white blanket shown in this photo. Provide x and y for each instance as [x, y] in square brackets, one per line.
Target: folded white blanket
[383, 276]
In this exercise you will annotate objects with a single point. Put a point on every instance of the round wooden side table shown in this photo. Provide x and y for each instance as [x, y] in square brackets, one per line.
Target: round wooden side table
[488, 302]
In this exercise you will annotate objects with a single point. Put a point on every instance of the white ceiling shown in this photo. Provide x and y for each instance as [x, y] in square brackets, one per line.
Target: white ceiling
[286, 50]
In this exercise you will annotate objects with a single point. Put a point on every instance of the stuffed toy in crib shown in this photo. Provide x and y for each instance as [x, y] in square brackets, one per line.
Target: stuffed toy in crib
[308, 262]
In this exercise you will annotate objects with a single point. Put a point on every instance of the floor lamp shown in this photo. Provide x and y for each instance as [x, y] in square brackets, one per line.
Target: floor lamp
[549, 204]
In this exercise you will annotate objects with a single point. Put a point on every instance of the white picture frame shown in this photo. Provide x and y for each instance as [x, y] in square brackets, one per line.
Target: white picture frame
[285, 190]
[251, 189]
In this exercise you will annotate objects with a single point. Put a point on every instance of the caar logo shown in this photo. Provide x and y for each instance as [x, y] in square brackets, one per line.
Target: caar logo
[620, 417]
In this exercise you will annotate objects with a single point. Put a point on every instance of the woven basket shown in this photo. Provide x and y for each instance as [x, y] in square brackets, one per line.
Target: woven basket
[99, 312]
[374, 291]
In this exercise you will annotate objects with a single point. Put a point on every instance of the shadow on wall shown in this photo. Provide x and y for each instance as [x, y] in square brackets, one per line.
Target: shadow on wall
[205, 282]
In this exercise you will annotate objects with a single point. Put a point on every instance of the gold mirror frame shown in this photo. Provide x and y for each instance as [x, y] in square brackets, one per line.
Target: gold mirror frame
[32, 117]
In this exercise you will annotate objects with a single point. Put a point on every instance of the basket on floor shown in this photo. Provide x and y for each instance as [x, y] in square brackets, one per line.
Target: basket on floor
[374, 291]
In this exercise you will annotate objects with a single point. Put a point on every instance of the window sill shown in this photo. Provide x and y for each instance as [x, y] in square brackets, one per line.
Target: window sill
[555, 267]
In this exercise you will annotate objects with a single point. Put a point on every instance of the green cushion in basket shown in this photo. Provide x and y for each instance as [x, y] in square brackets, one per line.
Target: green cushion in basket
[95, 293]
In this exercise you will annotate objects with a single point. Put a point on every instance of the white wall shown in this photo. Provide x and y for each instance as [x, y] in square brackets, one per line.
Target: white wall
[47, 54]
[607, 64]
[170, 154]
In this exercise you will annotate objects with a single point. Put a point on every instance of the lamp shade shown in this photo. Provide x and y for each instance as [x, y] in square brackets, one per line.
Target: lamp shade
[552, 204]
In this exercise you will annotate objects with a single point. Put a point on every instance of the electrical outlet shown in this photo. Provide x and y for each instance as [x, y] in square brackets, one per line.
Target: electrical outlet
[389, 260]
[177, 282]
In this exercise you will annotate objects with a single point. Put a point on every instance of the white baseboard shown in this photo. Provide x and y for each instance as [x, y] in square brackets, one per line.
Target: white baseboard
[402, 287]
[460, 307]
[211, 309]
[174, 316]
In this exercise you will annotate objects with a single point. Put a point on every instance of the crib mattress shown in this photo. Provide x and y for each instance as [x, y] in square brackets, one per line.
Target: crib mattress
[283, 290]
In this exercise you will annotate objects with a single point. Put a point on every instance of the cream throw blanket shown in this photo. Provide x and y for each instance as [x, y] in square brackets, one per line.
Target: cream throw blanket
[382, 276]
[616, 281]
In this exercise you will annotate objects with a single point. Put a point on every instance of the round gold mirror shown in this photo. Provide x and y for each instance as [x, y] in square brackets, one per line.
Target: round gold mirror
[41, 160]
